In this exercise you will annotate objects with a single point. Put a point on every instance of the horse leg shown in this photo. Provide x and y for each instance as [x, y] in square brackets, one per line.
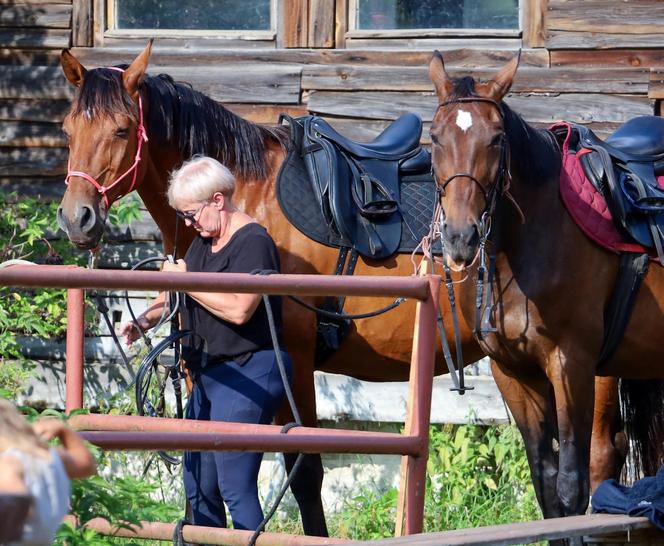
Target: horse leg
[608, 446]
[573, 382]
[307, 481]
[530, 400]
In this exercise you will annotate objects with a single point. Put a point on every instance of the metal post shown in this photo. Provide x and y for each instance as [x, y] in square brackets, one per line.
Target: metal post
[410, 512]
[75, 347]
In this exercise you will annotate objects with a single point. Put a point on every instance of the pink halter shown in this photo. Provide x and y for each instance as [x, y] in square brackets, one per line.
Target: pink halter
[142, 137]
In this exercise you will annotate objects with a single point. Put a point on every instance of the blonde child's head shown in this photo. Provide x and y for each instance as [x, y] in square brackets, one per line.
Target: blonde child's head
[17, 433]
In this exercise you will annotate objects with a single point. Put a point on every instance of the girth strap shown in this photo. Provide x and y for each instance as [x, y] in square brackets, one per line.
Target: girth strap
[330, 332]
[632, 270]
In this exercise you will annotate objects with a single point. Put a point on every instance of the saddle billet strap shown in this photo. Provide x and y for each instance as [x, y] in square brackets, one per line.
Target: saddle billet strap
[632, 270]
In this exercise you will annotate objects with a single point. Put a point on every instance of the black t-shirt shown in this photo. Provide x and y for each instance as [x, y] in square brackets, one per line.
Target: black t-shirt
[249, 248]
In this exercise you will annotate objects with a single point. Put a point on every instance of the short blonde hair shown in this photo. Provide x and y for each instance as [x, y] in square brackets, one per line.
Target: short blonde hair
[198, 179]
[17, 433]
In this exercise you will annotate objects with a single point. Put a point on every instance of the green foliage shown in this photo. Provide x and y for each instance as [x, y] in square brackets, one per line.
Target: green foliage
[125, 211]
[123, 501]
[475, 476]
[27, 230]
[24, 227]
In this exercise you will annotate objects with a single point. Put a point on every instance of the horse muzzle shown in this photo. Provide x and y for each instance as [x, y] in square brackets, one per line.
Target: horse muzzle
[83, 226]
[460, 246]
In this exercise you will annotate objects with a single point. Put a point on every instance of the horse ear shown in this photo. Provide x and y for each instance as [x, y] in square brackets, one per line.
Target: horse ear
[133, 75]
[74, 70]
[441, 81]
[501, 84]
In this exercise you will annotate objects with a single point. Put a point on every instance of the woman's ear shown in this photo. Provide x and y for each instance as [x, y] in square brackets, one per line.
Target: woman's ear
[219, 199]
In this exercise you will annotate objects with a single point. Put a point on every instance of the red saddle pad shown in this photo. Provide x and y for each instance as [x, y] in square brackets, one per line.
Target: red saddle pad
[587, 206]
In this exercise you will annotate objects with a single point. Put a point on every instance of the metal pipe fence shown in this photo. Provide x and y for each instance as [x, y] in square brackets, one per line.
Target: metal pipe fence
[148, 433]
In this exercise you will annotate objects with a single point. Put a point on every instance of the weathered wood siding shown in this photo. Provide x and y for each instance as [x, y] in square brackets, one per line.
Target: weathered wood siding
[596, 62]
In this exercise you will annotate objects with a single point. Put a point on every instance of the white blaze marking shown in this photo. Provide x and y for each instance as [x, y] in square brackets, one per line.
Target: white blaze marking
[464, 120]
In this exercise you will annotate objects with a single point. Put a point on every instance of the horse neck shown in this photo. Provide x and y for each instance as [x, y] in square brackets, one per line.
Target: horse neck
[535, 161]
[152, 191]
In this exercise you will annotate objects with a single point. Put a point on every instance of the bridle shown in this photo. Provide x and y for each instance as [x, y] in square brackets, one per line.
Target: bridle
[482, 300]
[142, 137]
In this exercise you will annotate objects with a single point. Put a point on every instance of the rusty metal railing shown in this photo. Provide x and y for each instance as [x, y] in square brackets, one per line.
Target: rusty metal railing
[133, 432]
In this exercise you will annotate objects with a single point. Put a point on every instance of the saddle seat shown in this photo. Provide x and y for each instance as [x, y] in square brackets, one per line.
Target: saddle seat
[640, 138]
[624, 168]
[398, 139]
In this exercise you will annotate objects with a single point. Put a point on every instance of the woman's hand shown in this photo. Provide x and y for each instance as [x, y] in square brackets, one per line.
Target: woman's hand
[131, 332]
[178, 267]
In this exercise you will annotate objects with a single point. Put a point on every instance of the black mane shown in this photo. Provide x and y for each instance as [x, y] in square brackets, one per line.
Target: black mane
[184, 117]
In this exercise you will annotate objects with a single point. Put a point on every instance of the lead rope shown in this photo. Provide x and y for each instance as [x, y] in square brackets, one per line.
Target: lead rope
[288, 426]
[178, 539]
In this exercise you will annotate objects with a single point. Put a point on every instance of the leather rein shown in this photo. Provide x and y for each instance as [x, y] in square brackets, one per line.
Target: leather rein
[142, 137]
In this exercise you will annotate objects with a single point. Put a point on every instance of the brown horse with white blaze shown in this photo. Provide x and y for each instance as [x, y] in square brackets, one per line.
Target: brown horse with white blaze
[113, 113]
[551, 282]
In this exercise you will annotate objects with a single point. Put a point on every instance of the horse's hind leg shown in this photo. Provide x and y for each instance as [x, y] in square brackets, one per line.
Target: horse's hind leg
[307, 481]
[608, 447]
[530, 399]
[306, 487]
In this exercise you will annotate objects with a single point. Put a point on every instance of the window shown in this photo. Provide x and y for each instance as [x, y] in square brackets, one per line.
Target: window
[201, 15]
[435, 14]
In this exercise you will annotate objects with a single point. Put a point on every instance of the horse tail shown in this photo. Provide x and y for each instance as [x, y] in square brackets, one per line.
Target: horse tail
[642, 407]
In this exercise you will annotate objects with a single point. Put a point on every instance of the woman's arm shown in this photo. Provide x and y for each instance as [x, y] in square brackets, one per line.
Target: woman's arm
[76, 457]
[146, 320]
[234, 308]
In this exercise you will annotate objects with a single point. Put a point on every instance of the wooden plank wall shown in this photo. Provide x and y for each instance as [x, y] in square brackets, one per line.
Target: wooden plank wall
[596, 62]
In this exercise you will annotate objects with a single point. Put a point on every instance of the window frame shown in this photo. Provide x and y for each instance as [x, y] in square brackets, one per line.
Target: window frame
[353, 32]
[105, 34]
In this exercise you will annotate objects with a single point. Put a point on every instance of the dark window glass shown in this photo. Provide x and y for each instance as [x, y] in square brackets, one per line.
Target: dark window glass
[193, 14]
[405, 14]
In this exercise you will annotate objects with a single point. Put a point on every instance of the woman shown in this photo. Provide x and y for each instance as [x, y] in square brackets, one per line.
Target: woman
[231, 359]
[28, 466]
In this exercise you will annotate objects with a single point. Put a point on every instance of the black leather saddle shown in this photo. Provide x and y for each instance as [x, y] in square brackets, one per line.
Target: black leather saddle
[349, 194]
[624, 168]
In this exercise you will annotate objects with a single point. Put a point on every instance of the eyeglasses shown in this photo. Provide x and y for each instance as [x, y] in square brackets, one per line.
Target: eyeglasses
[189, 214]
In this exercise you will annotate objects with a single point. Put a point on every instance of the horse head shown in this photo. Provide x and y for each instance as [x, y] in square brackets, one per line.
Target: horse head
[106, 134]
[469, 153]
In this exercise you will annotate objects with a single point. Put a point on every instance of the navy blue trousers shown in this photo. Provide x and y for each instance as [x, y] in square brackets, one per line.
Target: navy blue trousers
[250, 393]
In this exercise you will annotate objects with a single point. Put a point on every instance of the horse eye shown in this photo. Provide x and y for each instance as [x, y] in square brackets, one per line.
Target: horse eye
[66, 134]
[434, 138]
[122, 133]
[496, 140]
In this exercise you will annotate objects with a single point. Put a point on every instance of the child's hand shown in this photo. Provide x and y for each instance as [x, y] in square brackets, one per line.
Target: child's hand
[49, 428]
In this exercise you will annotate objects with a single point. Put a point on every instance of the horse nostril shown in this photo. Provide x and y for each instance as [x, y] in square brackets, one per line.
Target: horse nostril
[474, 237]
[61, 219]
[87, 221]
